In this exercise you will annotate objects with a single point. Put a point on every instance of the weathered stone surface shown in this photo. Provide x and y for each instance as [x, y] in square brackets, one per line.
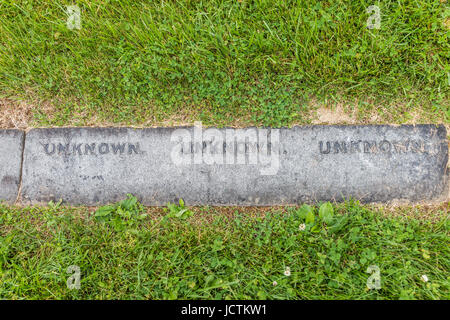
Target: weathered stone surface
[11, 146]
[275, 166]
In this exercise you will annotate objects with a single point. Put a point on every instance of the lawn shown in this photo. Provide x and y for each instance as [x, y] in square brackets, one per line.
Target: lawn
[225, 63]
[126, 251]
[236, 62]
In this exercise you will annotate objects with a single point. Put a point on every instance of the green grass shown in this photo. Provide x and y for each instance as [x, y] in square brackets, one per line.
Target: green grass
[225, 62]
[263, 62]
[127, 251]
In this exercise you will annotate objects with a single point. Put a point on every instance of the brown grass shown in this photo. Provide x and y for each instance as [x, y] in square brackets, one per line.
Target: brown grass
[20, 114]
[206, 215]
[334, 115]
[15, 114]
[349, 112]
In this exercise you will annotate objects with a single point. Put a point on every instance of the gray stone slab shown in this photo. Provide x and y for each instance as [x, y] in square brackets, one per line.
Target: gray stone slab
[377, 163]
[11, 147]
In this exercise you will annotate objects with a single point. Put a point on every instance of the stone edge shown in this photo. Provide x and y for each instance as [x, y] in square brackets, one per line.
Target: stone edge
[445, 197]
[21, 134]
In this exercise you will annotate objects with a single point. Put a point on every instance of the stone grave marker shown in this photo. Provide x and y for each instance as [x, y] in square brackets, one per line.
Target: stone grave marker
[250, 166]
[11, 147]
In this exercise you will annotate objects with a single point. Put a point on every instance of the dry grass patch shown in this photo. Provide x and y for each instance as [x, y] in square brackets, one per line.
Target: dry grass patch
[15, 114]
[370, 112]
[207, 214]
[334, 115]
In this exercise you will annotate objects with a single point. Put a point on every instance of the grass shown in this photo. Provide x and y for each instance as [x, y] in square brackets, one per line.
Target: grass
[126, 251]
[261, 62]
[222, 62]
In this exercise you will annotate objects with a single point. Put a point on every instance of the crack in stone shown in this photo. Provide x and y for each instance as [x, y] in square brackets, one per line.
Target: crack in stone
[19, 190]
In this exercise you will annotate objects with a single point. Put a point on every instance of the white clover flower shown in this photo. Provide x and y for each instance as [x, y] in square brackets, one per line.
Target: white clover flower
[275, 283]
[302, 227]
[287, 272]
[424, 278]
